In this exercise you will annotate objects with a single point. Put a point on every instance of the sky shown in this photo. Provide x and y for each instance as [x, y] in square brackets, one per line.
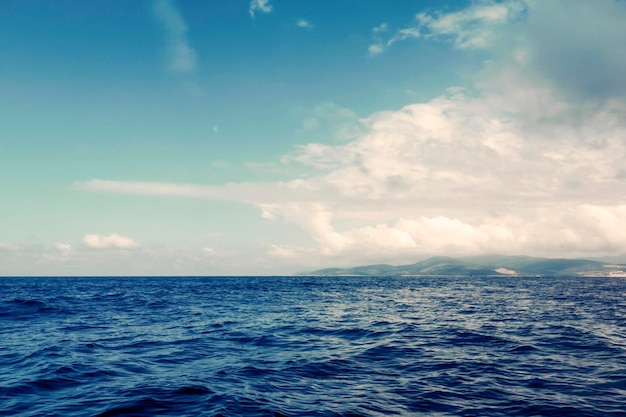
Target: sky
[268, 137]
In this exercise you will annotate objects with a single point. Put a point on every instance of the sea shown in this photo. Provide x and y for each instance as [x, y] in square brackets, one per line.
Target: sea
[312, 346]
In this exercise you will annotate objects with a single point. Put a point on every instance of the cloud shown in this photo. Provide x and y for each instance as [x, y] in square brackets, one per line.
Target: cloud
[470, 28]
[473, 27]
[377, 47]
[329, 120]
[147, 188]
[380, 45]
[31, 260]
[182, 57]
[96, 241]
[573, 45]
[380, 28]
[6, 246]
[63, 247]
[305, 24]
[238, 192]
[523, 161]
[406, 33]
[279, 251]
[576, 46]
[262, 6]
[457, 175]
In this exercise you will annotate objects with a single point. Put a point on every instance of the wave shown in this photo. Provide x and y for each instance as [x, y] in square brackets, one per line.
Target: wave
[312, 346]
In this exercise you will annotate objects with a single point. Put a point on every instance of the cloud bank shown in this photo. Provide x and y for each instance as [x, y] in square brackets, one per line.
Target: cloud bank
[529, 159]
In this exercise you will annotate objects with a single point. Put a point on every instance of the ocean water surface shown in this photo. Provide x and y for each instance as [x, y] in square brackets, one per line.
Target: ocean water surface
[313, 346]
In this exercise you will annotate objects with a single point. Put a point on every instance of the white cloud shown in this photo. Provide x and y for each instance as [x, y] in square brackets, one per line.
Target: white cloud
[530, 163]
[380, 28]
[305, 24]
[473, 27]
[406, 33]
[246, 192]
[182, 57]
[63, 247]
[282, 251]
[470, 28]
[6, 246]
[457, 175]
[96, 241]
[379, 44]
[375, 49]
[263, 6]
[82, 260]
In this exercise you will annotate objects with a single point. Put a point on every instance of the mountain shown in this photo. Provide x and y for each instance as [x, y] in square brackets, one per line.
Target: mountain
[487, 265]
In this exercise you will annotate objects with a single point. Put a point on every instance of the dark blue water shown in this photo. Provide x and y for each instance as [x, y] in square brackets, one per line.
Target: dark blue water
[312, 346]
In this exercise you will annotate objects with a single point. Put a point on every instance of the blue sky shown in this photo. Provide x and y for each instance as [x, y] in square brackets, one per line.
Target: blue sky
[267, 137]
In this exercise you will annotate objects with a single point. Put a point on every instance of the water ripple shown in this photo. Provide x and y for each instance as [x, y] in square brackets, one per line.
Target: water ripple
[312, 346]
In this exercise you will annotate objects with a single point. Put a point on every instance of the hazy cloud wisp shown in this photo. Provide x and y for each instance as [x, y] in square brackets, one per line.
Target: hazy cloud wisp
[182, 57]
[470, 28]
[305, 24]
[262, 6]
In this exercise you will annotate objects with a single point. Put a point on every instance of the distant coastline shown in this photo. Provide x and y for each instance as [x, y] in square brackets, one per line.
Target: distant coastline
[496, 265]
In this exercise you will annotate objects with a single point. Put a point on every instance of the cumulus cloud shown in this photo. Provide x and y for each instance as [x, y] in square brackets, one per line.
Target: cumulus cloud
[262, 6]
[525, 162]
[457, 175]
[115, 241]
[181, 56]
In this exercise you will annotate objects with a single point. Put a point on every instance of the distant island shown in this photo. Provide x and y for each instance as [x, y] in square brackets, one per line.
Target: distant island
[487, 265]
